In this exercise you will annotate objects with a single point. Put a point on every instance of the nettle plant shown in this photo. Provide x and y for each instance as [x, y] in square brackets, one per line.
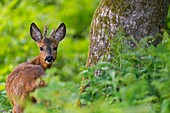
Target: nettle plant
[132, 78]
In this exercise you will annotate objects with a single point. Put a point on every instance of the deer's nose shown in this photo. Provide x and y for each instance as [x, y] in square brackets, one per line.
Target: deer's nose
[49, 59]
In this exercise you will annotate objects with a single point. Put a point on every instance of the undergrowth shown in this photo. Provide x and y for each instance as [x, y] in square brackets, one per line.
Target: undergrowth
[136, 81]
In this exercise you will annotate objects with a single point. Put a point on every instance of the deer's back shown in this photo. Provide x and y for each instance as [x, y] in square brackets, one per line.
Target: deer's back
[23, 80]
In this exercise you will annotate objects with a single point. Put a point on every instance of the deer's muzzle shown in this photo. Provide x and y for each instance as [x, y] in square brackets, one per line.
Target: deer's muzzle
[49, 59]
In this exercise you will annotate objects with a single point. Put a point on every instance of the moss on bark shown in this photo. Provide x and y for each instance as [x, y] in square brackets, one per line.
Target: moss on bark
[138, 18]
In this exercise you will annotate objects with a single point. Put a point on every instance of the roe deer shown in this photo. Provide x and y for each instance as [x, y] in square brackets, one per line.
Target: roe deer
[26, 77]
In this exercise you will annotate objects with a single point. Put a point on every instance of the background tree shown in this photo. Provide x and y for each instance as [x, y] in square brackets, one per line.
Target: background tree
[138, 18]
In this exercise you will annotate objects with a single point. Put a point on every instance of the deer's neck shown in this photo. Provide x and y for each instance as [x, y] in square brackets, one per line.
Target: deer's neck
[41, 62]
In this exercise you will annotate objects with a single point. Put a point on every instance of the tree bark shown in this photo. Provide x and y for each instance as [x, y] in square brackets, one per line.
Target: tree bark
[138, 18]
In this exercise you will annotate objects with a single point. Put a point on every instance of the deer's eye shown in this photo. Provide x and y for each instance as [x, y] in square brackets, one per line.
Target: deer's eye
[55, 48]
[41, 49]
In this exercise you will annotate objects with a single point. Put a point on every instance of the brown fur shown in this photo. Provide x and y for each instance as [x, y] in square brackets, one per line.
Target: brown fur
[21, 82]
[26, 77]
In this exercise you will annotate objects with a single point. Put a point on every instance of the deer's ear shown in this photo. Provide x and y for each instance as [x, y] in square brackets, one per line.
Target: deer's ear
[35, 33]
[60, 32]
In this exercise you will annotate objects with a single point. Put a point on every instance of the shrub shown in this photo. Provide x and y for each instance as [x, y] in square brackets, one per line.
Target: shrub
[136, 81]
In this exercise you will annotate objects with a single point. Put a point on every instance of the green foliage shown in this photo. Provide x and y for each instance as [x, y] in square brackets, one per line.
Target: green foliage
[135, 82]
[17, 15]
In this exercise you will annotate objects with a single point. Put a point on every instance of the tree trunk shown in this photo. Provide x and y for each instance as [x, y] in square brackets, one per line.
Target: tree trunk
[138, 18]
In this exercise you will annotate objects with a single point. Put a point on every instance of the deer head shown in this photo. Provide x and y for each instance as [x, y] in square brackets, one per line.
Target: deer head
[47, 44]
